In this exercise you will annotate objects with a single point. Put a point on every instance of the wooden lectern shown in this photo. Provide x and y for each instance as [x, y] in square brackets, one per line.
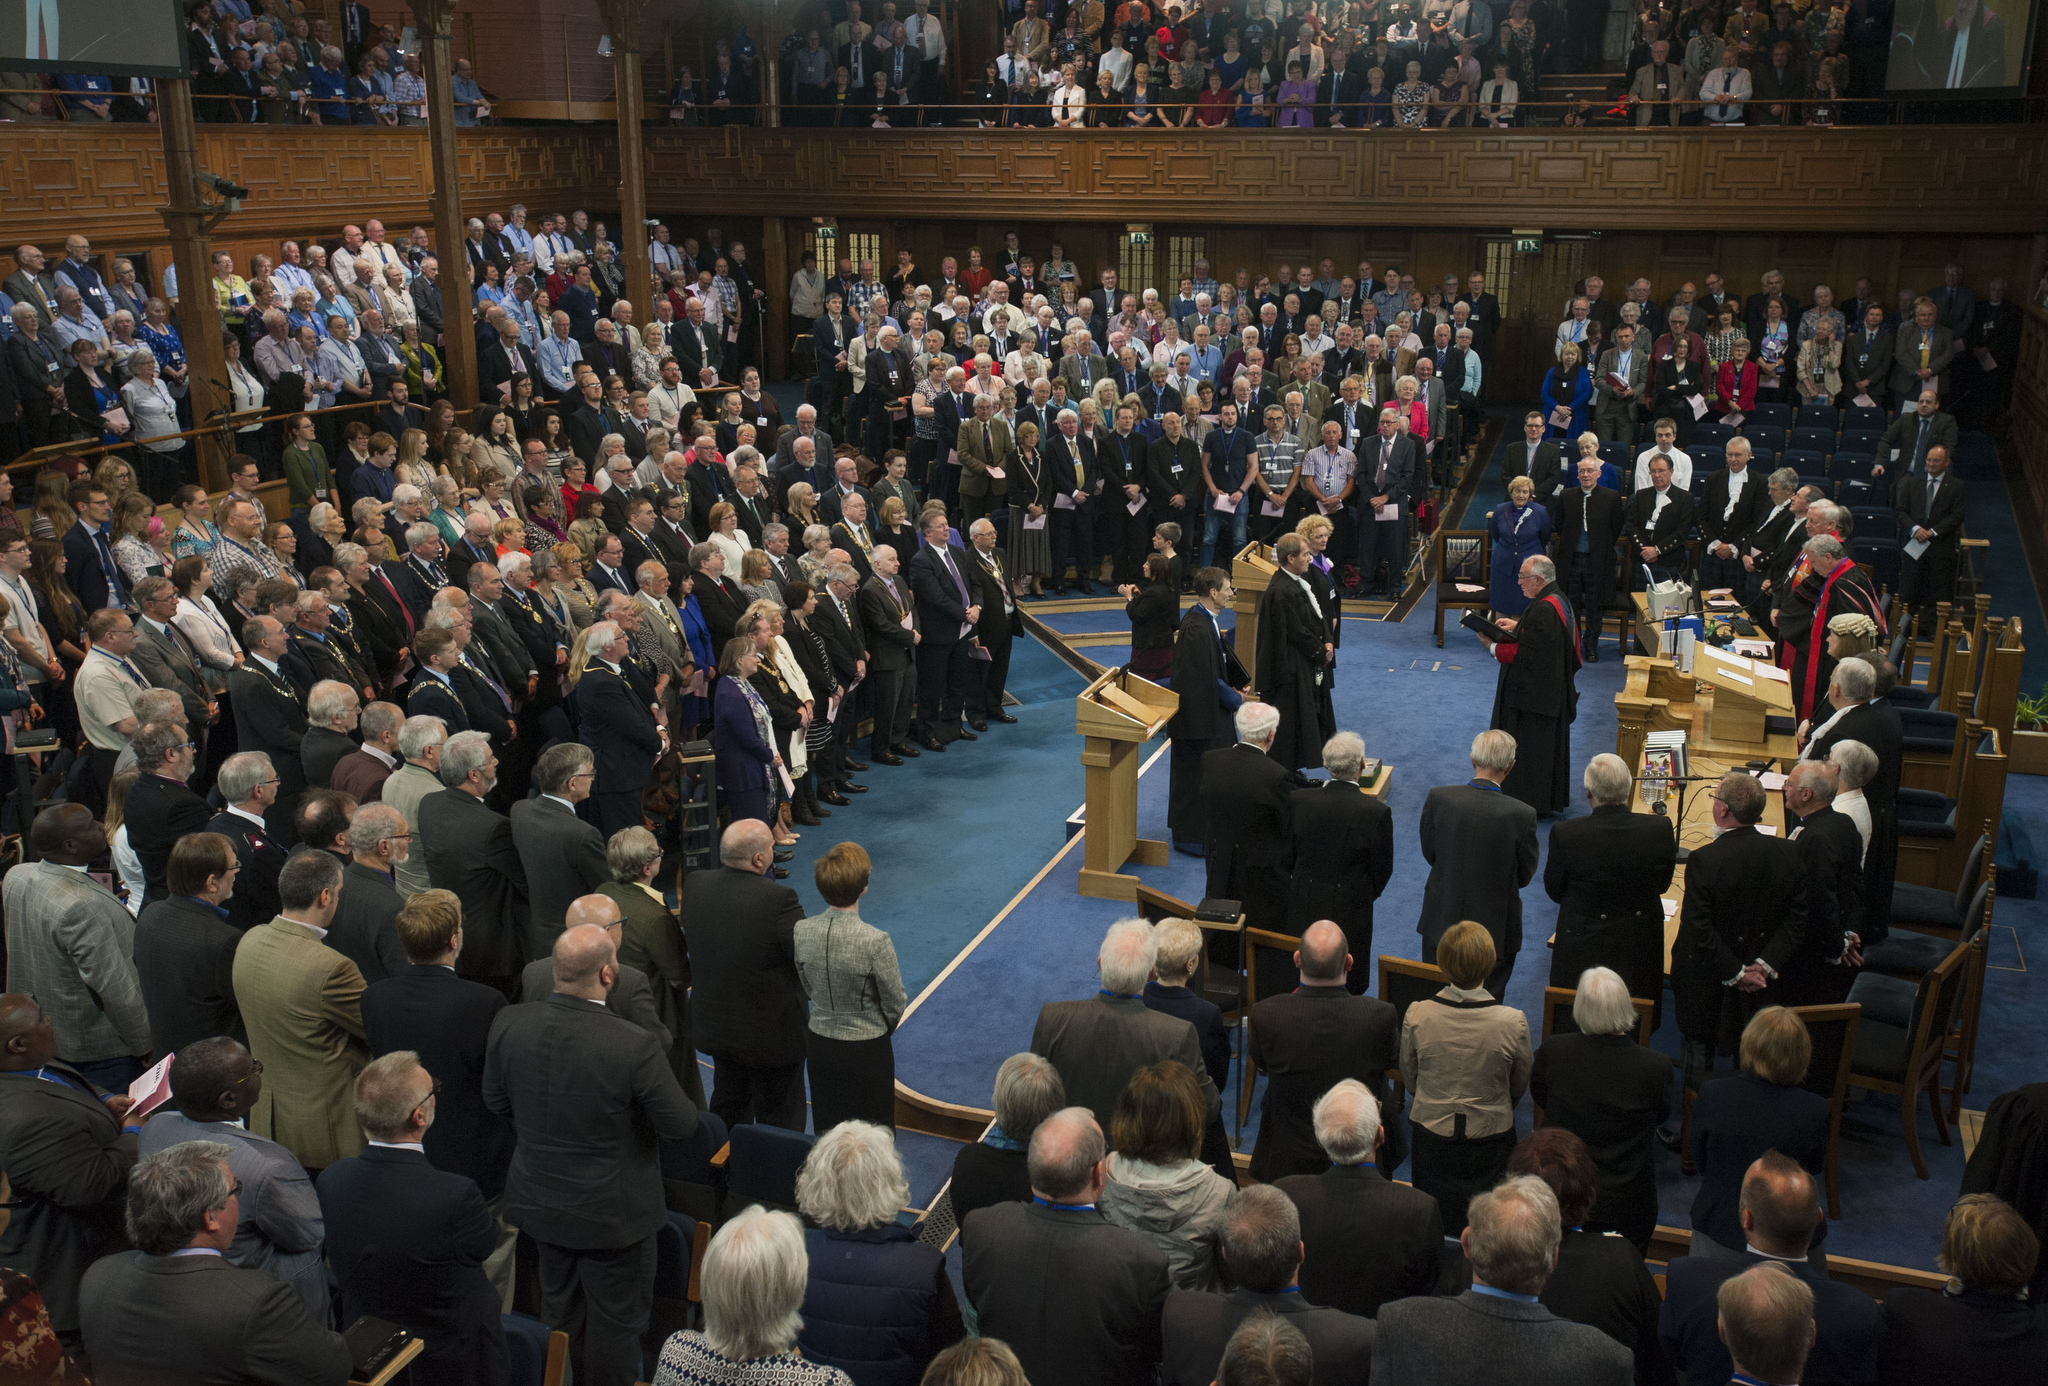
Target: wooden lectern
[1116, 715]
[1746, 691]
[1251, 573]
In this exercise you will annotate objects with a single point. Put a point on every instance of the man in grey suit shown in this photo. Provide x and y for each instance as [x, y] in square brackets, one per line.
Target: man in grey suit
[417, 778]
[1480, 844]
[1262, 1248]
[365, 928]
[592, 1098]
[1511, 1240]
[213, 1085]
[1618, 407]
[163, 652]
[1388, 473]
[71, 945]
[631, 996]
[1082, 367]
[1076, 1297]
[178, 1299]
[1097, 1044]
[564, 856]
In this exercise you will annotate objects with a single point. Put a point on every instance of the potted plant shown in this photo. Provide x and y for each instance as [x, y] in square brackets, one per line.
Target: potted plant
[2030, 734]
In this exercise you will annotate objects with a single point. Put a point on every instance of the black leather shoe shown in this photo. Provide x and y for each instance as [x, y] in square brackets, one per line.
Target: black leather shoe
[780, 873]
[965, 735]
[822, 812]
[1085, 587]
[932, 743]
[977, 723]
[784, 854]
[1059, 589]
[851, 788]
[1001, 717]
[907, 751]
[886, 759]
[835, 798]
[855, 765]
[804, 818]
[1593, 658]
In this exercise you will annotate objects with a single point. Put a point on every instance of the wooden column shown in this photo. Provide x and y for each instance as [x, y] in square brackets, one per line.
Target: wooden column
[458, 302]
[186, 217]
[623, 18]
[775, 260]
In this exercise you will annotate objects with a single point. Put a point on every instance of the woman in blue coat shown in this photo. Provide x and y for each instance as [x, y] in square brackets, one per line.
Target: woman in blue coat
[697, 634]
[1520, 529]
[742, 737]
[1570, 385]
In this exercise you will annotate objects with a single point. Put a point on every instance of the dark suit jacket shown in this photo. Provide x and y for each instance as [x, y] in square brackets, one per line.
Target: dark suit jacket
[430, 1279]
[1745, 899]
[1872, 363]
[1465, 1341]
[1246, 796]
[939, 607]
[1945, 519]
[365, 928]
[185, 958]
[83, 570]
[1606, 871]
[1308, 1041]
[1974, 1336]
[618, 725]
[1831, 851]
[1481, 848]
[266, 720]
[1196, 1328]
[1612, 1093]
[1607, 513]
[1077, 1297]
[215, 1321]
[1368, 1240]
[564, 859]
[1736, 1118]
[470, 851]
[1098, 1043]
[592, 1097]
[1667, 535]
[1717, 525]
[429, 697]
[255, 899]
[740, 929]
[889, 644]
[159, 812]
[445, 1020]
[1341, 856]
[1849, 1335]
[168, 664]
[1207, 1018]
[321, 749]
[67, 1164]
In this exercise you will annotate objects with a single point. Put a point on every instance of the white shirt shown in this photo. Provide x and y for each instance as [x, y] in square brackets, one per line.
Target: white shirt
[1681, 467]
[1957, 66]
[1736, 481]
[400, 1145]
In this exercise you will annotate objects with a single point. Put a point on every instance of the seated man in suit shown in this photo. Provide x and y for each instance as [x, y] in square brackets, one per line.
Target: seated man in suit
[1511, 1239]
[1309, 1039]
[1076, 1297]
[1097, 1044]
[430, 1280]
[1262, 1249]
[1780, 1208]
[214, 1083]
[177, 1299]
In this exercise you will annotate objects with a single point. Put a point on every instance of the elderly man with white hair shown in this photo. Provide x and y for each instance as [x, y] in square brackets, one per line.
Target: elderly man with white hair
[1607, 871]
[879, 1301]
[1098, 1043]
[1511, 1241]
[1481, 849]
[1366, 1240]
[1245, 806]
[1077, 1298]
[1597, 1082]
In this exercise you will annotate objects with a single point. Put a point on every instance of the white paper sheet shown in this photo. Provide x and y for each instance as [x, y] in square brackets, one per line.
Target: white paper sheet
[1329, 507]
[996, 474]
[1915, 547]
[1390, 511]
[1272, 509]
[1063, 501]
[1223, 504]
[1038, 521]
[1131, 508]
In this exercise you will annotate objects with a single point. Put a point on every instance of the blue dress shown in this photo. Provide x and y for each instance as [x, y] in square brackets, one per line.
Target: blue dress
[744, 760]
[693, 709]
[1576, 393]
[1517, 534]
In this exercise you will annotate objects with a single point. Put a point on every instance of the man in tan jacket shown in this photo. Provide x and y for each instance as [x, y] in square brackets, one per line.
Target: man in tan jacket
[1659, 92]
[301, 1001]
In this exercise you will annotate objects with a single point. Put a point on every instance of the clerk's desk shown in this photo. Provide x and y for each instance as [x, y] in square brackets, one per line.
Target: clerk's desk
[1696, 828]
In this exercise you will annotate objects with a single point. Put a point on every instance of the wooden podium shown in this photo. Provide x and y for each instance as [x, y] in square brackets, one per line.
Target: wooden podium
[1251, 573]
[1746, 691]
[1115, 716]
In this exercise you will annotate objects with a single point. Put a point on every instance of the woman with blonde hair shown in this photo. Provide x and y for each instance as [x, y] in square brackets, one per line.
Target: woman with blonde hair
[1521, 529]
[565, 589]
[726, 533]
[115, 477]
[757, 578]
[814, 562]
[54, 516]
[1466, 1057]
[893, 527]
[648, 349]
[134, 513]
[976, 1362]
[802, 504]
[126, 864]
[412, 465]
[1993, 1258]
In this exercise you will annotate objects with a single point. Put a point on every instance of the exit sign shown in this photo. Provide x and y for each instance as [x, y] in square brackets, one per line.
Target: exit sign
[1141, 238]
[1528, 245]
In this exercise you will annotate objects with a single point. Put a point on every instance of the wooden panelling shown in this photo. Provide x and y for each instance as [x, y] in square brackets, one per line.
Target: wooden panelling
[2028, 416]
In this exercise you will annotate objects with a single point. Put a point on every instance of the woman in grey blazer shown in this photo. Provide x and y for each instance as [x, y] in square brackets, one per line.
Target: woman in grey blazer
[848, 967]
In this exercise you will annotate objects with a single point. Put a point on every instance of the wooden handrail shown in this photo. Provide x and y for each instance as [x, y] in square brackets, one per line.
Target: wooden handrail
[233, 423]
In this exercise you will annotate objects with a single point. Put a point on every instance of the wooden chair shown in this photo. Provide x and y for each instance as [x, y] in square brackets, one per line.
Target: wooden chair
[1462, 555]
[1254, 940]
[558, 1359]
[1833, 1029]
[1896, 966]
[1557, 1014]
[1906, 1061]
[1403, 982]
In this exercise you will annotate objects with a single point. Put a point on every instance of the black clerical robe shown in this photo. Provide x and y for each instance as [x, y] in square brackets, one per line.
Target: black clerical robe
[1537, 699]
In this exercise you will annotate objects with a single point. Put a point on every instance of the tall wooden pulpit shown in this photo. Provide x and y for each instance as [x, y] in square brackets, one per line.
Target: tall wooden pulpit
[1251, 573]
[1115, 716]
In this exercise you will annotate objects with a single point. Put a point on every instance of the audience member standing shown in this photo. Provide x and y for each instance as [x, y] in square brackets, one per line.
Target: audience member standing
[755, 1277]
[563, 855]
[750, 1014]
[420, 740]
[302, 1003]
[431, 1279]
[1244, 804]
[848, 968]
[1607, 871]
[1537, 699]
[67, 1156]
[269, 716]
[470, 852]
[214, 1083]
[1981, 1326]
[248, 786]
[160, 807]
[1481, 849]
[177, 1299]
[650, 943]
[592, 1099]
[1075, 1296]
[995, 1169]
[185, 948]
[1209, 680]
[1341, 850]
[1738, 1116]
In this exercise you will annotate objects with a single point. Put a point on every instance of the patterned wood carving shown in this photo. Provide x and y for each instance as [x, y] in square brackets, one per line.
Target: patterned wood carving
[2028, 416]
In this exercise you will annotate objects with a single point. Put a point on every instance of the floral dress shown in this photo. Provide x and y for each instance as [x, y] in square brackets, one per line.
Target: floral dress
[1411, 105]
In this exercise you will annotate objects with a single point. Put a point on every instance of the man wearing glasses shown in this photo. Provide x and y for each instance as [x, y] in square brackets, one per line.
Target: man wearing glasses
[161, 806]
[301, 1002]
[564, 856]
[214, 1084]
[366, 923]
[248, 786]
[181, 1297]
